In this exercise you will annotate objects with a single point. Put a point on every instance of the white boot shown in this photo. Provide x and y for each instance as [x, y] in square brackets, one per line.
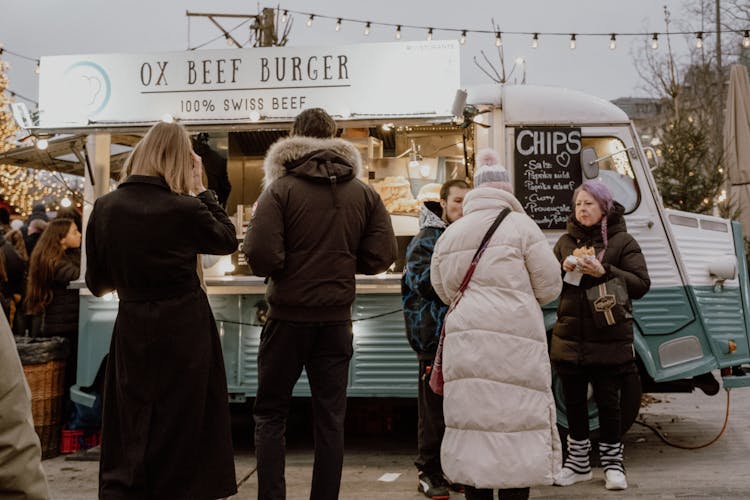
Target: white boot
[577, 467]
[614, 473]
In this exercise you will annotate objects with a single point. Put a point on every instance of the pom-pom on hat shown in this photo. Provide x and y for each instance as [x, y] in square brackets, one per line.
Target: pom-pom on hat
[490, 172]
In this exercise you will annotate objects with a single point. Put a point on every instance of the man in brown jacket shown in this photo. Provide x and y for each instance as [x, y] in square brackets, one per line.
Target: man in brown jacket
[315, 226]
[21, 474]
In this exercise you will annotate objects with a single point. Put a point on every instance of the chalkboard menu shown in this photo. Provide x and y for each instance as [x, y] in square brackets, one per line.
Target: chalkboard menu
[548, 169]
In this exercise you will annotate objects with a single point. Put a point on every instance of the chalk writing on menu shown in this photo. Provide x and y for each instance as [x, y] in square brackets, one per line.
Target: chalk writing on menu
[548, 169]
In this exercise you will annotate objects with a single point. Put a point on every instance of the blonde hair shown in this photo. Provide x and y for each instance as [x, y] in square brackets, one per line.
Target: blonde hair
[164, 151]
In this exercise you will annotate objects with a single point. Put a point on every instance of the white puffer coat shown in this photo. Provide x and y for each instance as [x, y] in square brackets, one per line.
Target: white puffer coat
[499, 409]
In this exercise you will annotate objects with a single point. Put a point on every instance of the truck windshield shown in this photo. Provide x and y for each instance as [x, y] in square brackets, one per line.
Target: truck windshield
[615, 169]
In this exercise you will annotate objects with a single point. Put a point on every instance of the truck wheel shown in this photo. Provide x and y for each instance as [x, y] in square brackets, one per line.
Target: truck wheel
[630, 405]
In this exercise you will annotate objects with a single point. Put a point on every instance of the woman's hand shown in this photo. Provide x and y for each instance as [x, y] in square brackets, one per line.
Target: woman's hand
[592, 267]
[197, 179]
[569, 265]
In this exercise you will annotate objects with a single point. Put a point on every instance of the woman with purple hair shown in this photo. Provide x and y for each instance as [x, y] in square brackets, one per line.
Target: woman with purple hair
[596, 245]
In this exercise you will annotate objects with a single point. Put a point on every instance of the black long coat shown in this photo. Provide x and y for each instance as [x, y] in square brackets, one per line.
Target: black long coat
[166, 426]
[575, 338]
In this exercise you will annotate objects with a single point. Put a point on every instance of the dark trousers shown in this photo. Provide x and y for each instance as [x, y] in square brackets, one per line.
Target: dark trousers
[606, 382]
[324, 350]
[431, 423]
[504, 494]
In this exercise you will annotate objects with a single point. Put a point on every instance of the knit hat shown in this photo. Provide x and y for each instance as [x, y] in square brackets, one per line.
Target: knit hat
[489, 171]
[429, 192]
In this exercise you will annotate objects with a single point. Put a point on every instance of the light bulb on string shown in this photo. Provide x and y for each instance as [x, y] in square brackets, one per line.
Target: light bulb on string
[429, 35]
[699, 40]
[498, 39]
[285, 17]
[535, 41]
[37, 68]
[612, 42]
[338, 24]
[462, 40]
[367, 28]
[572, 41]
[655, 41]
[398, 32]
[746, 39]
[42, 144]
[310, 20]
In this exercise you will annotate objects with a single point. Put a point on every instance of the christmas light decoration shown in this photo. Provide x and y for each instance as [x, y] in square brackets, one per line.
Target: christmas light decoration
[535, 41]
[655, 41]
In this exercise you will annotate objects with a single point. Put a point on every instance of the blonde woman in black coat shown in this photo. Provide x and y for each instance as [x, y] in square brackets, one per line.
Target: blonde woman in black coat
[166, 429]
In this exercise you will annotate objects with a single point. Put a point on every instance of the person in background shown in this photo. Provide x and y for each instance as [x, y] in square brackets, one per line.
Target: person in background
[32, 233]
[583, 353]
[72, 214]
[215, 166]
[166, 430]
[12, 272]
[424, 312]
[501, 426]
[53, 307]
[21, 472]
[315, 226]
[4, 220]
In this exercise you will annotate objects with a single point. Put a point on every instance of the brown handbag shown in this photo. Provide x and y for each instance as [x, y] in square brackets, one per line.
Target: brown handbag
[609, 302]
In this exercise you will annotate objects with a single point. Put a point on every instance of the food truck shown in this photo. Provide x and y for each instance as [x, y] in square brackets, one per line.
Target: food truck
[403, 106]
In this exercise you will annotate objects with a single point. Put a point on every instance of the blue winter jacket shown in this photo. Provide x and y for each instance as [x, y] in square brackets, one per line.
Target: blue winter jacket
[423, 309]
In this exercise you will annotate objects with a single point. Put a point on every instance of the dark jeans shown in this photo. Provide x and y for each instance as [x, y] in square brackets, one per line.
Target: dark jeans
[431, 424]
[606, 382]
[504, 494]
[324, 350]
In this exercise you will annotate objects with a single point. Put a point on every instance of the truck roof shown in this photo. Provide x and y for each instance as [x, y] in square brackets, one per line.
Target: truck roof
[539, 105]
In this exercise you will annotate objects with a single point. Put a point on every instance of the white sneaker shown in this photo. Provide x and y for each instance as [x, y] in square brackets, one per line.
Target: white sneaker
[615, 480]
[566, 477]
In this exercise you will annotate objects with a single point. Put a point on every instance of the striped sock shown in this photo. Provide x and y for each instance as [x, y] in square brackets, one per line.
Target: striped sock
[611, 456]
[578, 456]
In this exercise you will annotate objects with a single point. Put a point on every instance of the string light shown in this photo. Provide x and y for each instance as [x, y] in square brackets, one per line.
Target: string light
[699, 40]
[746, 39]
[462, 40]
[37, 68]
[498, 39]
[572, 41]
[429, 35]
[367, 28]
[655, 41]
[398, 32]
[228, 39]
[612, 42]
[285, 17]
[42, 144]
[535, 41]
[338, 24]
[310, 20]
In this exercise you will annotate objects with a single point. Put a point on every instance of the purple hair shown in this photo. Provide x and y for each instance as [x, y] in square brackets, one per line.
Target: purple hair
[603, 196]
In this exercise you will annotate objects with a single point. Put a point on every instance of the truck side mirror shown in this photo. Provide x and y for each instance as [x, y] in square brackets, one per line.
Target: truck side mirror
[651, 157]
[589, 163]
[723, 268]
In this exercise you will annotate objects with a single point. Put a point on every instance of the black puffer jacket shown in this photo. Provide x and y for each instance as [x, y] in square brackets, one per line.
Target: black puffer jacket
[575, 337]
[315, 226]
[61, 315]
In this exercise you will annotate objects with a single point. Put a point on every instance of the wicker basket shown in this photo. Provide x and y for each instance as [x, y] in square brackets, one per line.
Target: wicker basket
[47, 383]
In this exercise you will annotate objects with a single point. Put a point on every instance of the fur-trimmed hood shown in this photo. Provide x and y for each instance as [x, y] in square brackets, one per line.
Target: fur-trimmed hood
[293, 149]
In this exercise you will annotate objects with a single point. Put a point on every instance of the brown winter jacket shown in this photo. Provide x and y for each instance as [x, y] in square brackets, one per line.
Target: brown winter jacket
[575, 337]
[315, 226]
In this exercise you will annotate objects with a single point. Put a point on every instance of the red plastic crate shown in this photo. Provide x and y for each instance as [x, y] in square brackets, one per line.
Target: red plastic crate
[73, 441]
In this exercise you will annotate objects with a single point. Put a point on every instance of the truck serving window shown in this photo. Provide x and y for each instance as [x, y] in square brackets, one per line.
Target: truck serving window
[615, 169]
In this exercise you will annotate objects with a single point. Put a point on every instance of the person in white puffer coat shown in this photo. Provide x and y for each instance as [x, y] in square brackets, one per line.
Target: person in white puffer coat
[499, 409]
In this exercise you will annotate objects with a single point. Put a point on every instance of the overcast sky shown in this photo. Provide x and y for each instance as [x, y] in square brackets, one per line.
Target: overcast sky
[37, 28]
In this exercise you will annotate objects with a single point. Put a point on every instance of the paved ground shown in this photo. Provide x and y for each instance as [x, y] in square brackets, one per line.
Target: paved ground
[655, 470]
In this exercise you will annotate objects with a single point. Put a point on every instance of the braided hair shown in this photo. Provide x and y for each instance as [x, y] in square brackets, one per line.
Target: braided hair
[603, 196]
